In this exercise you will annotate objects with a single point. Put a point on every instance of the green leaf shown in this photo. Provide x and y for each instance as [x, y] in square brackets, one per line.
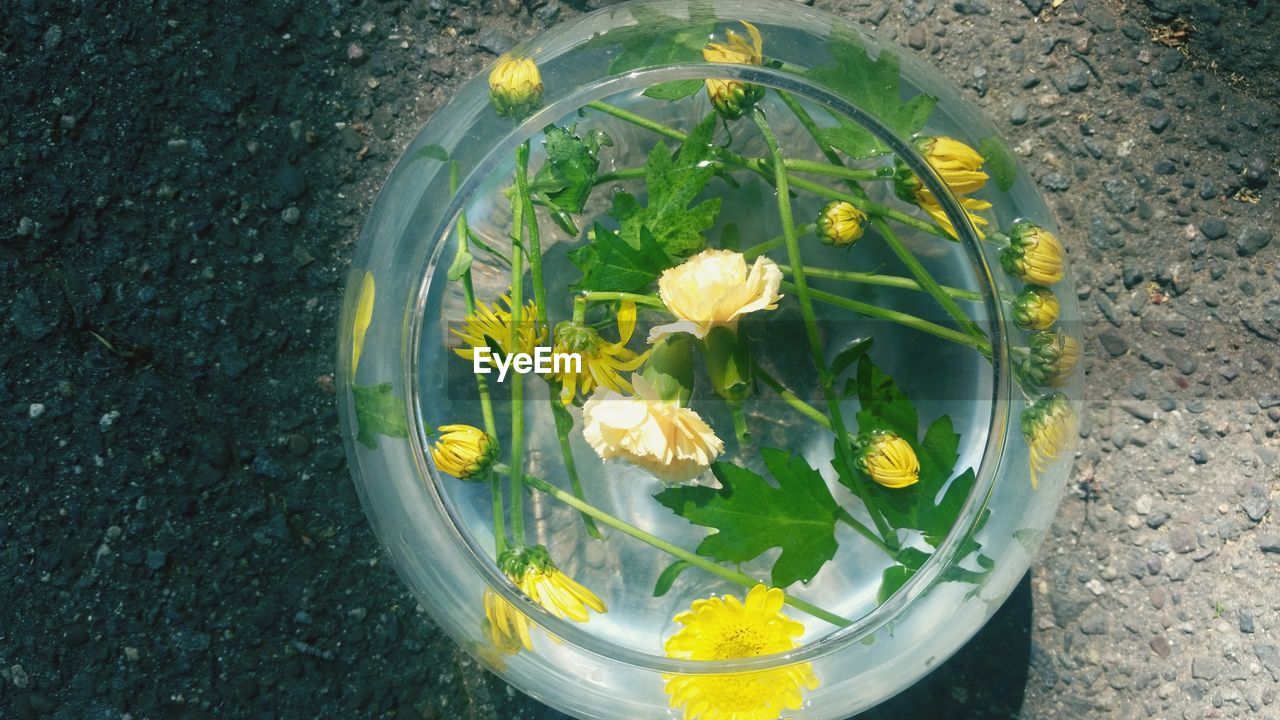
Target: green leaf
[668, 577]
[873, 86]
[999, 160]
[674, 90]
[609, 262]
[893, 577]
[849, 355]
[884, 407]
[657, 39]
[672, 181]
[433, 152]
[750, 516]
[567, 177]
[730, 237]
[378, 412]
[460, 265]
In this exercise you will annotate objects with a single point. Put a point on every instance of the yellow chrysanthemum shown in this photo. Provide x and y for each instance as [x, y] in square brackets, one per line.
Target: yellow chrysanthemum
[1036, 308]
[602, 361]
[364, 314]
[531, 569]
[1034, 255]
[725, 629]
[841, 224]
[959, 167]
[463, 451]
[1049, 426]
[731, 98]
[890, 460]
[490, 326]
[506, 628]
[515, 86]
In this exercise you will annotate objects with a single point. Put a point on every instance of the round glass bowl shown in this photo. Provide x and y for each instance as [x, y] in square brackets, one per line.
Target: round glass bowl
[828, 380]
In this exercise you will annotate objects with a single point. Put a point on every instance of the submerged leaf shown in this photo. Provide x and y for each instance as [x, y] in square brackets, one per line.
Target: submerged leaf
[611, 263]
[674, 90]
[750, 516]
[668, 577]
[378, 412]
[999, 160]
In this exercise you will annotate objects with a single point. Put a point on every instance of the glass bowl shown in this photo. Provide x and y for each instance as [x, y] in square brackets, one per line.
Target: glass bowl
[831, 379]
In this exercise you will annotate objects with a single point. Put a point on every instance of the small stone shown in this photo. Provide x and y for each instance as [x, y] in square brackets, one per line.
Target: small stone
[494, 41]
[1185, 362]
[1019, 113]
[1205, 668]
[266, 467]
[1113, 344]
[916, 37]
[1257, 170]
[1157, 518]
[108, 420]
[52, 37]
[1244, 619]
[1094, 622]
[1213, 229]
[355, 54]
[156, 559]
[290, 181]
[18, 675]
[1199, 456]
[1252, 240]
[290, 215]
[298, 445]
[1160, 644]
[77, 635]
[190, 640]
[1078, 78]
[1269, 543]
[35, 410]
[1256, 507]
[1159, 123]
[1182, 539]
[1269, 656]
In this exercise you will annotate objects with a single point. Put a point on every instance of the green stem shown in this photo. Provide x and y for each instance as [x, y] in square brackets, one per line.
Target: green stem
[468, 291]
[928, 283]
[571, 467]
[517, 379]
[844, 516]
[739, 422]
[499, 527]
[871, 208]
[867, 278]
[638, 120]
[768, 245]
[652, 540]
[837, 171]
[625, 174]
[901, 318]
[608, 296]
[791, 398]
[843, 448]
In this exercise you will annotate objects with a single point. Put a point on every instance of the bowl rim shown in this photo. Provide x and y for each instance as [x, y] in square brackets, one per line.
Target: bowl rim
[944, 556]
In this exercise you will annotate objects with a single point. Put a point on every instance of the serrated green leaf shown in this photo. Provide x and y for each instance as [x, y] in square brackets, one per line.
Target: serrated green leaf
[460, 265]
[432, 152]
[567, 177]
[873, 86]
[672, 181]
[611, 263]
[999, 160]
[674, 90]
[378, 412]
[668, 577]
[657, 39]
[750, 516]
[849, 355]
[884, 407]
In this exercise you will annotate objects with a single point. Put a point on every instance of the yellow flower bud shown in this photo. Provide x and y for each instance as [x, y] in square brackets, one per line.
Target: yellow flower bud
[1049, 426]
[959, 165]
[1050, 359]
[841, 224]
[890, 460]
[1034, 255]
[732, 98]
[1036, 308]
[515, 86]
[463, 451]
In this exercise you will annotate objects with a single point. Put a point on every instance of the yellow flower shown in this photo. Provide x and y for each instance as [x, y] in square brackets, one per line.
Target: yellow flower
[714, 288]
[890, 460]
[515, 86]
[531, 569]
[1050, 359]
[959, 167]
[1034, 254]
[364, 314]
[1036, 308]
[1049, 427]
[506, 628]
[670, 442]
[491, 325]
[841, 224]
[602, 362]
[731, 98]
[724, 629]
[463, 451]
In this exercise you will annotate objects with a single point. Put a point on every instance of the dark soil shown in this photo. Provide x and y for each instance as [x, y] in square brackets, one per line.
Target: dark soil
[183, 185]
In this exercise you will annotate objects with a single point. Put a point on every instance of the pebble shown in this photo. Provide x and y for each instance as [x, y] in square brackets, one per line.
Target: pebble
[35, 410]
[1256, 506]
[1244, 619]
[1094, 622]
[1160, 644]
[1185, 363]
[1182, 539]
[1251, 240]
[1078, 78]
[1269, 543]
[1199, 456]
[1213, 229]
[156, 559]
[1205, 668]
[355, 54]
[1160, 122]
[916, 39]
[291, 183]
[108, 420]
[1257, 170]
[1018, 113]
[290, 215]
[494, 41]
[1113, 344]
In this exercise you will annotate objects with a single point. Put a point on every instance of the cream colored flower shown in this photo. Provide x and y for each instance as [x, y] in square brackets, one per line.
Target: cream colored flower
[715, 287]
[668, 441]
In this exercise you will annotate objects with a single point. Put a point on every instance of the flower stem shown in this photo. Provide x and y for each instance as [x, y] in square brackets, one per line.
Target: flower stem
[517, 379]
[867, 278]
[871, 208]
[837, 171]
[631, 530]
[469, 292]
[901, 318]
[570, 466]
[756, 250]
[843, 449]
[638, 120]
[499, 527]
[848, 519]
[791, 398]
[608, 296]
[739, 423]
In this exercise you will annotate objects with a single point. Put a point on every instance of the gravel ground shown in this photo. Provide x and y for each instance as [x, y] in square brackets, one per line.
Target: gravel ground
[183, 183]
